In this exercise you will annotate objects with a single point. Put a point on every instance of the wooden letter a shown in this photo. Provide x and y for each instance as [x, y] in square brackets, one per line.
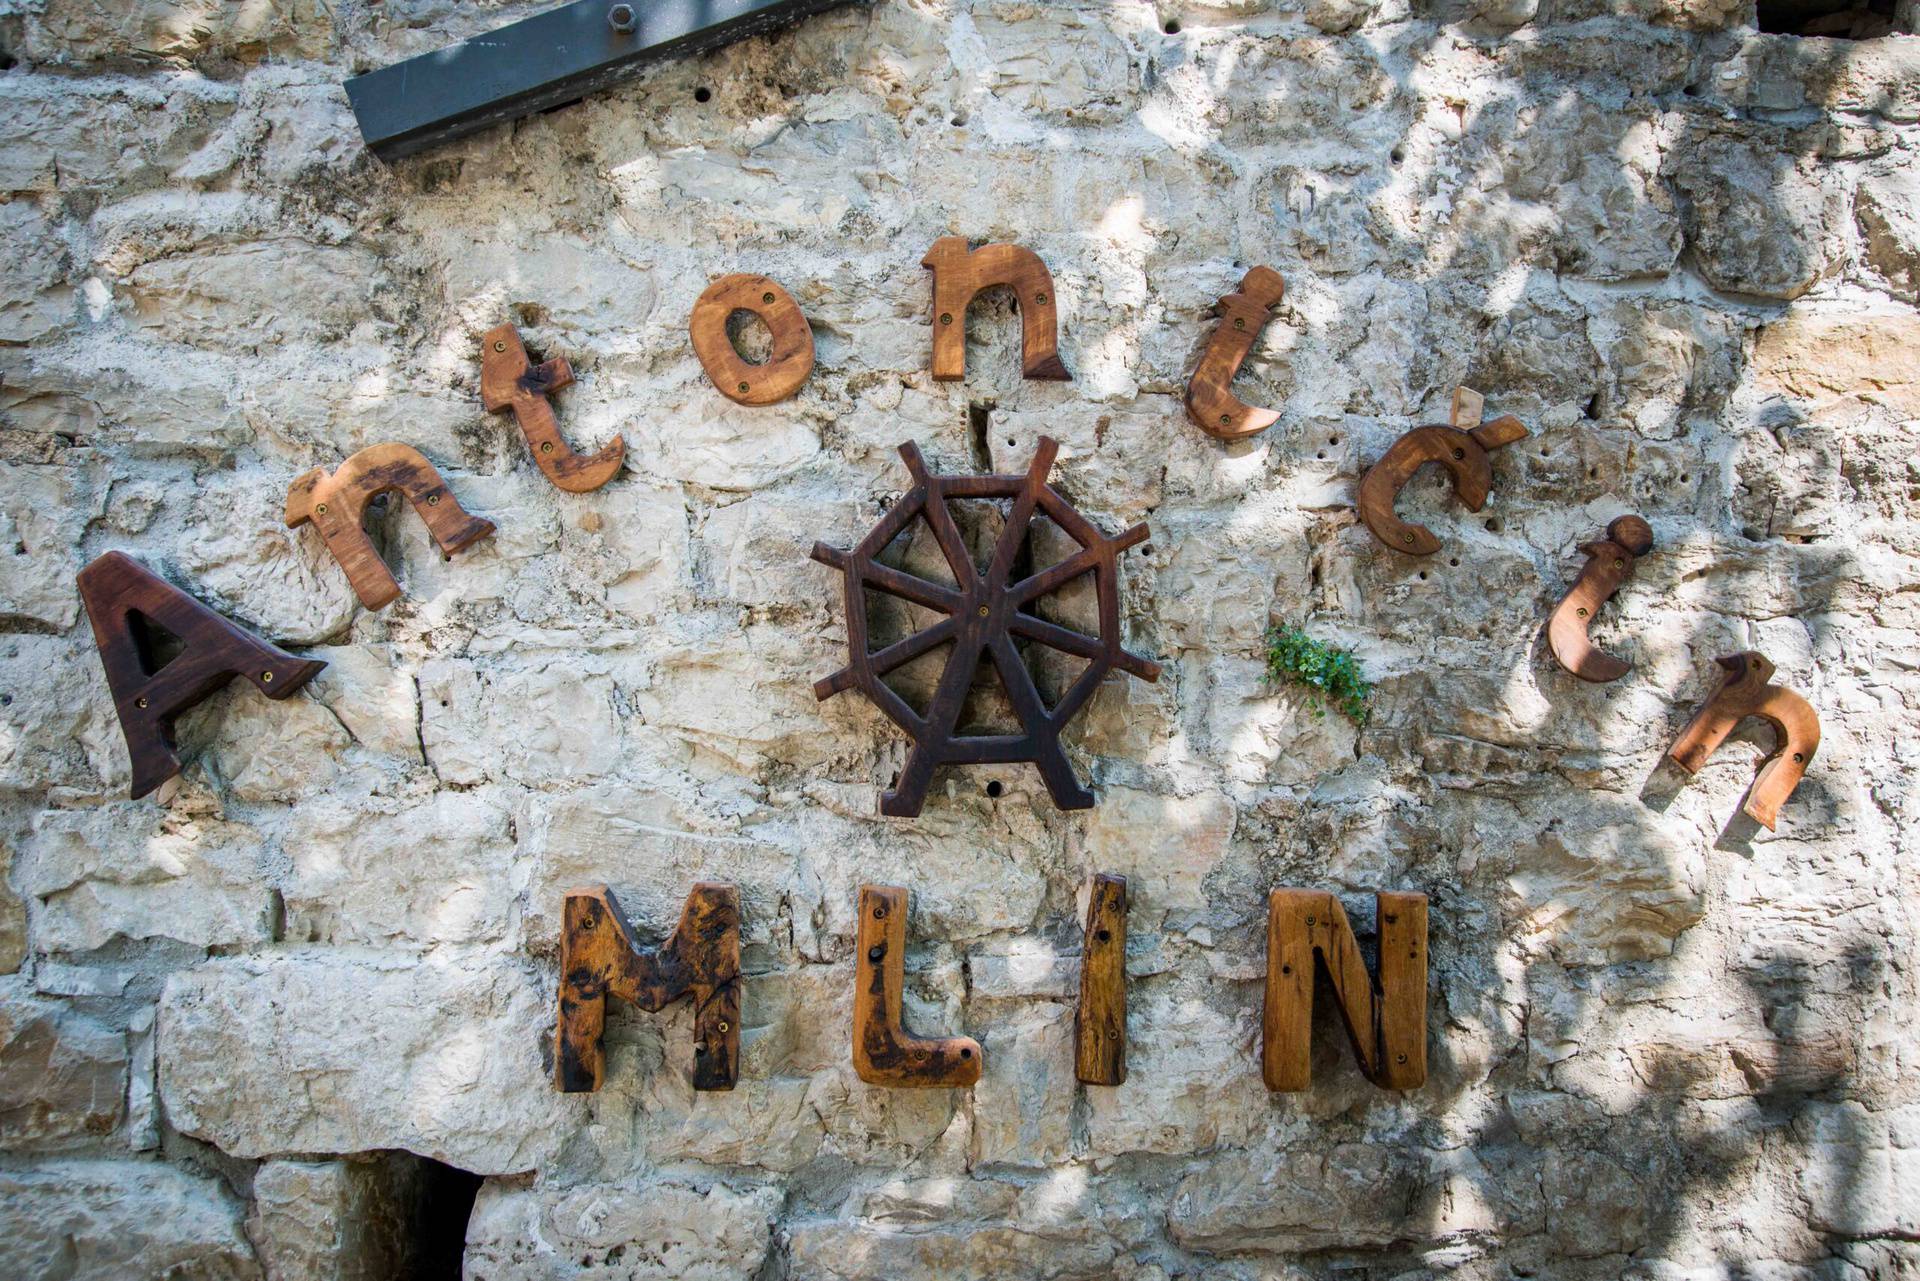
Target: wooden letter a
[600, 958]
[148, 695]
[1386, 1021]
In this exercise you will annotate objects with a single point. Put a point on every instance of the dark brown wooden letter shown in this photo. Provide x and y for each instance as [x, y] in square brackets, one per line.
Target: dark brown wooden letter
[1386, 1021]
[1461, 452]
[884, 1053]
[121, 597]
[1100, 1025]
[959, 274]
[600, 958]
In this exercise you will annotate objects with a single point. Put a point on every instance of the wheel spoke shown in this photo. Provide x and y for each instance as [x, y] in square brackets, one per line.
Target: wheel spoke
[882, 661]
[910, 587]
[1079, 644]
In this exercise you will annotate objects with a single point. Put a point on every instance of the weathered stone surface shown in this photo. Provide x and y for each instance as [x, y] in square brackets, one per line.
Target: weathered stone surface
[1342, 1196]
[63, 1075]
[1663, 1042]
[111, 1220]
[621, 1232]
[136, 872]
[336, 1051]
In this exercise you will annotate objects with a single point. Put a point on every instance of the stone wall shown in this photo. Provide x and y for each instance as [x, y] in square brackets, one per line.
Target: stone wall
[1665, 1043]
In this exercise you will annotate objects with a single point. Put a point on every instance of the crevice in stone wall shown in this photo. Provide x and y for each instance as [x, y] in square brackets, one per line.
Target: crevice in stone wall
[440, 1221]
[1835, 19]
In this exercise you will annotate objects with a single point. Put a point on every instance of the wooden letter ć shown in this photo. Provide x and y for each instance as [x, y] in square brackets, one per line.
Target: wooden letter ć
[1100, 1026]
[335, 504]
[1461, 449]
[792, 358]
[1243, 314]
[884, 1053]
[1746, 692]
[1386, 1021]
[1610, 562]
[959, 274]
[122, 598]
[600, 958]
[509, 380]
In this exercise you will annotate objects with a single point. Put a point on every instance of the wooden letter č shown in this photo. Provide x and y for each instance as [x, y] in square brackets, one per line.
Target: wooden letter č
[959, 274]
[1386, 1021]
[121, 595]
[335, 504]
[1461, 449]
[1746, 692]
[599, 958]
[1243, 314]
[1610, 562]
[509, 380]
[884, 1053]
[792, 359]
[1100, 1025]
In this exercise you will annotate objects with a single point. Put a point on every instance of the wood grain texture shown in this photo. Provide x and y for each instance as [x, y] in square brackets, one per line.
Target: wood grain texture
[1100, 1023]
[1610, 563]
[737, 379]
[510, 380]
[599, 958]
[121, 596]
[959, 274]
[1463, 452]
[884, 1053]
[1746, 691]
[1243, 314]
[986, 613]
[1386, 1021]
[336, 505]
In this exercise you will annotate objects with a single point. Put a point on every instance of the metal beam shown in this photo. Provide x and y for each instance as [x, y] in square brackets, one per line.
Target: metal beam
[547, 61]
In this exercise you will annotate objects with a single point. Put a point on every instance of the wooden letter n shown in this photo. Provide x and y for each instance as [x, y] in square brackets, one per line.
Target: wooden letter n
[1386, 1020]
[599, 957]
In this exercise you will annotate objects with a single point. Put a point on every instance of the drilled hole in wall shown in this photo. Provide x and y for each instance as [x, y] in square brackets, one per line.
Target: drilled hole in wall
[703, 94]
[994, 789]
[1173, 27]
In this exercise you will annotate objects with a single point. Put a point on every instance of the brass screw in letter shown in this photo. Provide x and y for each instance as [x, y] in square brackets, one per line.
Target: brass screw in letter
[322, 509]
[1309, 920]
[766, 297]
[1459, 453]
[984, 611]
[723, 1025]
[1582, 611]
[1407, 537]
[1619, 564]
[1041, 299]
[1239, 322]
[1798, 759]
[546, 447]
[1225, 419]
[946, 318]
[1399, 1058]
[266, 678]
[743, 388]
[499, 345]
[140, 702]
[433, 500]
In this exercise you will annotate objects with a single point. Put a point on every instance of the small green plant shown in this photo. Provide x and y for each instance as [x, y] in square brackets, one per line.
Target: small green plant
[1330, 673]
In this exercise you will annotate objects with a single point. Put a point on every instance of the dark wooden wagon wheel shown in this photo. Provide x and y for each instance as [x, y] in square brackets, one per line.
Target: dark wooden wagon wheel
[985, 612]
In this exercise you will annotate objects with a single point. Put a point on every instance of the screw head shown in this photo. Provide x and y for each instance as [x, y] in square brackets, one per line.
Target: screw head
[1407, 537]
[1041, 299]
[266, 678]
[1798, 759]
[1239, 322]
[433, 500]
[724, 1025]
[1459, 454]
[620, 17]
[1582, 611]
[499, 344]
[1225, 419]
[1309, 920]
[1399, 1058]
[546, 447]
[140, 703]
[743, 389]
[767, 297]
[946, 318]
[321, 509]
[984, 611]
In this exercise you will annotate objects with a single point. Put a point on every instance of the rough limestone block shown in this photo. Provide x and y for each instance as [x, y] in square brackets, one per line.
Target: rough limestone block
[1337, 1196]
[134, 871]
[339, 1051]
[628, 1231]
[63, 1075]
[112, 1220]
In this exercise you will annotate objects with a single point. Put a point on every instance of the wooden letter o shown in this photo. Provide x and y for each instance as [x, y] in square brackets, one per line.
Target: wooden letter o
[792, 358]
